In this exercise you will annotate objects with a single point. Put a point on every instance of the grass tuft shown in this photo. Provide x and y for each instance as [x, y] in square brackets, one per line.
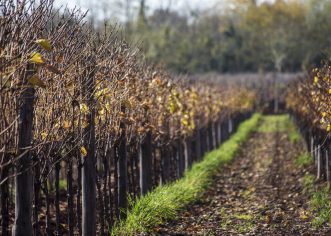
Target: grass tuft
[280, 123]
[165, 201]
[320, 204]
[304, 160]
[320, 201]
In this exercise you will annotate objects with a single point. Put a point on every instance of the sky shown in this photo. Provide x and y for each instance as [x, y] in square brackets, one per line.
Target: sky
[182, 5]
[150, 3]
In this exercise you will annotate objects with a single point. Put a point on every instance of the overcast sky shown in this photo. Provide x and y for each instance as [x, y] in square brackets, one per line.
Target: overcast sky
[181, 5]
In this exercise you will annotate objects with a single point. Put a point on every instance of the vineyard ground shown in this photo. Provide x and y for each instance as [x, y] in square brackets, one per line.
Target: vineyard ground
[164, 202]
[262, 192]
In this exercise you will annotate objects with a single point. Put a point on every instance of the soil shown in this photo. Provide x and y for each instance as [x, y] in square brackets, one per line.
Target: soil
[259, 193]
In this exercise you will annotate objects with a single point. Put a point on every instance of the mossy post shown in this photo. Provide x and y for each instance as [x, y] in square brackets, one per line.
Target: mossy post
[89, 160]
[24, 176]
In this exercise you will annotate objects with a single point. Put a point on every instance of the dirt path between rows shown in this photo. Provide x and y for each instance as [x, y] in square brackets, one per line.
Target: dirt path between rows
[259, 193]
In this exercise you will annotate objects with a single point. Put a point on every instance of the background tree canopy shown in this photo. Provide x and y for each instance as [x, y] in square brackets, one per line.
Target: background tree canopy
[242, 36]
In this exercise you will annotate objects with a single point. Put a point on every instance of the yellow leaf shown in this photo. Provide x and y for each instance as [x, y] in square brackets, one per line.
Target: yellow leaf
[85, 124]
[83, 151]
[43, 135]
[304, 215]
[315, 79]
[101, 112]
[84, 108]
[66, 124]
[34, 80]
[36, 58]
[328, 128]
[330, 91]
[44, 43]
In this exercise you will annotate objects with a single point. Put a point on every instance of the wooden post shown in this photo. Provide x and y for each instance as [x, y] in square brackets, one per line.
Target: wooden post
[218, 133]
[145, 160]
[180, 158]
[319, 162]
[4, 200]
[24, 177]
[122, 169]
[327, 165]
[210, 137]
[203, 141]
[187, 153]
[312, 146]
[230, 125]
[70, 200]
[89, 160]
[197, 146]
[224, 131]
[165, 164]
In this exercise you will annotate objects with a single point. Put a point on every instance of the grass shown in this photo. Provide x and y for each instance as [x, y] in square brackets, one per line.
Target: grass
[165, 201]
[320, 204]
[243, 217]
[320, 201]
[279, 123]
[304, 160]
[274, 123]
[243, 223]
[308, 182]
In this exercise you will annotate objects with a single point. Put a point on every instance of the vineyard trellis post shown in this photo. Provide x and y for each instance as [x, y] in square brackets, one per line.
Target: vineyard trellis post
[224, 130]
[24, 175]
[145, 159]
[319, 162]
[89, 161]
[327, 163]
[203, 140]
[210, 136]
[230, 125]
[180, 158]
[197, 145]
[219, 133]
[188, 152]
[165, 164]
[121, 157]
[4, 200]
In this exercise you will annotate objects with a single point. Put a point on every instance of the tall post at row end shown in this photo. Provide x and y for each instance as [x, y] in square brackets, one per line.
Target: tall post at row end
[89, 160]
[24, 177]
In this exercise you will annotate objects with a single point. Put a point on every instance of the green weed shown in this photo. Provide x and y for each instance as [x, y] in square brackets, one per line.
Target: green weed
[304, 160]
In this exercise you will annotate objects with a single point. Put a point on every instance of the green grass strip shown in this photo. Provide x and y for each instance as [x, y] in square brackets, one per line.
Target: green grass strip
[164, 202]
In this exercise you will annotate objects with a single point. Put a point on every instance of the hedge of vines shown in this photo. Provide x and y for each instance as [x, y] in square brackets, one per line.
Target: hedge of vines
[85, 122]
[309, 100]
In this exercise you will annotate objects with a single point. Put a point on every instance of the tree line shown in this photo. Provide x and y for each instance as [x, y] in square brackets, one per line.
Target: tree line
[240, 35]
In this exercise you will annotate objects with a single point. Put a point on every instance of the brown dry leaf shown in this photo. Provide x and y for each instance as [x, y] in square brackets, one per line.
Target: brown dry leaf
[34, 80]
